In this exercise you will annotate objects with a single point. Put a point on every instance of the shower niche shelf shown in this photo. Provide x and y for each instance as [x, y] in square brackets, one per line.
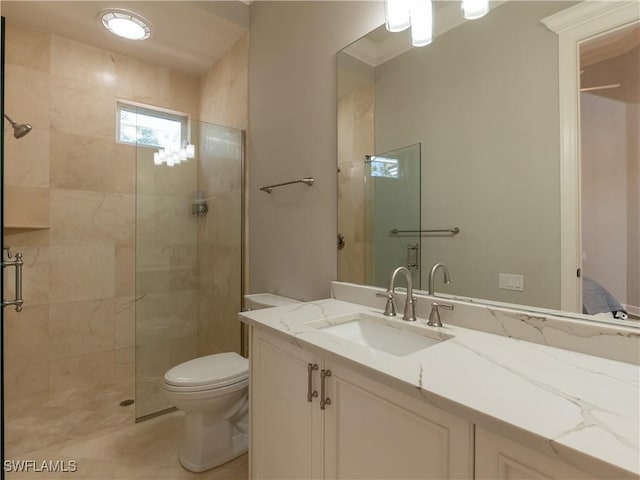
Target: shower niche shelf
[25, 227]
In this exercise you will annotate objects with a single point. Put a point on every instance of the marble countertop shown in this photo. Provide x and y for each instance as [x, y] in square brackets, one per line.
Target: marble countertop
[581, 409]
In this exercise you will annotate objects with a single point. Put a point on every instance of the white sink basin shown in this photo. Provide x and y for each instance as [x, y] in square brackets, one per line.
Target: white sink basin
[378, 334]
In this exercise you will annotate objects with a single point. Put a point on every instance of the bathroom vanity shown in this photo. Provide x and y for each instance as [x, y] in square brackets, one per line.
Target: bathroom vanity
[337, 390]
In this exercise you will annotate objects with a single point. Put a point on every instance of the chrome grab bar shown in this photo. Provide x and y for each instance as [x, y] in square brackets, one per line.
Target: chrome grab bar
[412, 255]
[452, 231]
[17, 264]
[306, 180]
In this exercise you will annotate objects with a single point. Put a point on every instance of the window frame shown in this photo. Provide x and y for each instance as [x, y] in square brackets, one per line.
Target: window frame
[152, 111]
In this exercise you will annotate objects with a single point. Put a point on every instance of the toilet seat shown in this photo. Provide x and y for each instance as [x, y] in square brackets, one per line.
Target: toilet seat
[208, 373]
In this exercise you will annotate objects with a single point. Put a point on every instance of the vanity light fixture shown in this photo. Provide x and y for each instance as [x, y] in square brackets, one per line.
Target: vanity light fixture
[397, 15]
[171, 158]
[472, 9]
[421, 22]
[418, 14]
[125, 24]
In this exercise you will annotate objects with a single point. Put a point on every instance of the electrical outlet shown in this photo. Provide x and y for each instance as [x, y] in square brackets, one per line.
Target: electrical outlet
[510, 281]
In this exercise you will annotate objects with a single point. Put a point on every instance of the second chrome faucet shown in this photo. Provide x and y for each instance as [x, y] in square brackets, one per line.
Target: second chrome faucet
[410, 304]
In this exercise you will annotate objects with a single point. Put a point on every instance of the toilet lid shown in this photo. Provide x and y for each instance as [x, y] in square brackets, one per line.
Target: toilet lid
[216, 370]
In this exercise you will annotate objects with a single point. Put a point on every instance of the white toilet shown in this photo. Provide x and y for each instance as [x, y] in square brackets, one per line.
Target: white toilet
[213, 393]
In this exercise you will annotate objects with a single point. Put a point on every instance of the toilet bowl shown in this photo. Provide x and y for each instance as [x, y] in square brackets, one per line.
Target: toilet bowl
[213, 393]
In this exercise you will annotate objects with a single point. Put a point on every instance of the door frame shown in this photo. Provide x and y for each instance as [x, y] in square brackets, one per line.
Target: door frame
[573, 26]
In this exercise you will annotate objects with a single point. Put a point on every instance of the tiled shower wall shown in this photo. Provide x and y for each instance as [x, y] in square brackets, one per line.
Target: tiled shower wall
[75, 338]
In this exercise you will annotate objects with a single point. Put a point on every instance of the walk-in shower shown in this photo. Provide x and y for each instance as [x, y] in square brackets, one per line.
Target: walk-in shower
[19, 129]
[188, 264]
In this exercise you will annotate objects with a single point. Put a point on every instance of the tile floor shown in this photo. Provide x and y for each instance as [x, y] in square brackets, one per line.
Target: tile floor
[129, 451]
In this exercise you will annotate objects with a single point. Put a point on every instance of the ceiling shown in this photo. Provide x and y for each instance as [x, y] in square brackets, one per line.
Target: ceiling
[187, 36]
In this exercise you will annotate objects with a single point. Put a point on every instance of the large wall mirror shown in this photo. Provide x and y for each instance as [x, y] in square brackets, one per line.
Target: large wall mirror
[482, 103]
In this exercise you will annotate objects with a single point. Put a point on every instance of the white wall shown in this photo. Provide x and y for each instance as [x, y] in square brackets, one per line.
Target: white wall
[292, 125]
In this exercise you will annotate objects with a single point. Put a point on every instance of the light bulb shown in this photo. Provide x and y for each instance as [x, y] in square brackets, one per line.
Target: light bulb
[421, 22]
[472, 9]
[397, 15]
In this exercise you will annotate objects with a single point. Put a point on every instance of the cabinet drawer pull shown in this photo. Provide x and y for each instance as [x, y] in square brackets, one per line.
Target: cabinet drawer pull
[324, 400]
[310, 392]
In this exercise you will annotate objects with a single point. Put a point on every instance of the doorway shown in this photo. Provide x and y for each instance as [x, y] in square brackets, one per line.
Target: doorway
[609, 164]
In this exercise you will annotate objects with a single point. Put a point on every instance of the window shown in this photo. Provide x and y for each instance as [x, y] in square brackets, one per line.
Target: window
[151, 128]
[384, 167]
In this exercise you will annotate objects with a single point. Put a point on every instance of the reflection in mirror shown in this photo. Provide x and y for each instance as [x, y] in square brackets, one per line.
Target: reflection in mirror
[392, 203]
[483, 102]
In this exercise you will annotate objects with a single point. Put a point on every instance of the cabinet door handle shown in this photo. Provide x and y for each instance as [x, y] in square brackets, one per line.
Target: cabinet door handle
[324, 400]
[310, 391]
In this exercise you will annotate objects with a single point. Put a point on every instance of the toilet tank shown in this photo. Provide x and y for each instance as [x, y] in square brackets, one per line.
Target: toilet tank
[257, 301]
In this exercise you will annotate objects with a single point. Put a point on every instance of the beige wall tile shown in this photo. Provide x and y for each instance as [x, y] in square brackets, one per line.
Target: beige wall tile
[142, 82]
[125, 270]
[81, 273]
[82, 109]
[24, 382]
[80, 328]
[83, 163]
[124, 168]
[161, 180]
[27, 47]
[165, 316]
[91, 218]
[124, 361]
[26, 336]
[81, 372]
[223, 90]
[26, 206]
[184, 94]
[81, 62]
[27, 96]
[125, 322]
[26, 160]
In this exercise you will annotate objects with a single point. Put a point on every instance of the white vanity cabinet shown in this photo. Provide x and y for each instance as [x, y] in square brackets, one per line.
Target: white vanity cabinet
[498, 458]
[368, 430]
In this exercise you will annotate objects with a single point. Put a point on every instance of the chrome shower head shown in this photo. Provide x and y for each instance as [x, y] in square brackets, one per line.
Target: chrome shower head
[19, 129]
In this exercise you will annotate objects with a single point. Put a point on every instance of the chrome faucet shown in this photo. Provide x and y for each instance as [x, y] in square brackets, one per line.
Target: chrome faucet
[432, 274]
[390, 294]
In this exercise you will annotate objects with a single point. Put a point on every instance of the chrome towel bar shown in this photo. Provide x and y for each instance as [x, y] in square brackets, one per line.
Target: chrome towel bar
[452, 231]
[306, 180]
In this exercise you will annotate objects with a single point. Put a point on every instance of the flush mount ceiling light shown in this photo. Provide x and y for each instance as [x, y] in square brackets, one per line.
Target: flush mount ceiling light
[125, 24]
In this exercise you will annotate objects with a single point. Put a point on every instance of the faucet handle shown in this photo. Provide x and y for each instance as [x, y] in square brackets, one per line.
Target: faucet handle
[389, 307]
[434, 316]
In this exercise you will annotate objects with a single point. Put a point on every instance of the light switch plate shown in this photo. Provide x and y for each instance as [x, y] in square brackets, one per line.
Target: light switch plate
[510, 281]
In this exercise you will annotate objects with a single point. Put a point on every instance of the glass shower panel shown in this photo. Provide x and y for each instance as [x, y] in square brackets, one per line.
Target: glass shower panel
[188, 258]
[392, 202]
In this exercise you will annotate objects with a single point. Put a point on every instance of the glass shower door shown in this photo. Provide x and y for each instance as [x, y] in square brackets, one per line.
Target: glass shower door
[188, 258]
[392, 211]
